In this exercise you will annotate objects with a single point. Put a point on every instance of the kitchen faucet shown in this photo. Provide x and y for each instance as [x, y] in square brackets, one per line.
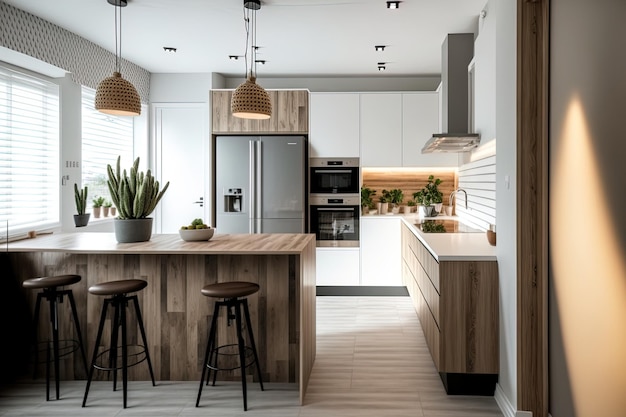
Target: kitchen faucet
[453, 194]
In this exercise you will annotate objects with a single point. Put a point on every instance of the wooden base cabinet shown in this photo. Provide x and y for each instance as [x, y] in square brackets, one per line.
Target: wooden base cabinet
[457, 305]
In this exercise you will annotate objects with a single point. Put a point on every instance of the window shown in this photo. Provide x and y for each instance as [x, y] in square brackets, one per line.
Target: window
[29, 152]
[104, 138]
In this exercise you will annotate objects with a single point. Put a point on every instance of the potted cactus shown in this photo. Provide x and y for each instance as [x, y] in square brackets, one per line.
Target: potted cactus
[135, 195]
[80, 197]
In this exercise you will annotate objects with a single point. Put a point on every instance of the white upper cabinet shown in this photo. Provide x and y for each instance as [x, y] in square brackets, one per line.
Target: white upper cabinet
[334, 125]
[381, 130]
[420, 119]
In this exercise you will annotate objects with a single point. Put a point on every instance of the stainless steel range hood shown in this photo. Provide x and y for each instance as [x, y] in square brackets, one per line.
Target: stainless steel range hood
[457, 52]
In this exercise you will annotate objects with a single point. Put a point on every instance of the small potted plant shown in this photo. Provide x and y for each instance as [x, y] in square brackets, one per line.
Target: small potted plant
[80, 197]
[135, 194]
[97, 203]
[410, 206]
[395, 197]
[429, 196]
[367, 202]
[106, 207]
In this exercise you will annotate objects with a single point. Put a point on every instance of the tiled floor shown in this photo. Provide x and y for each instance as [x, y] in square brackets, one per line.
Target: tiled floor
[372, 361]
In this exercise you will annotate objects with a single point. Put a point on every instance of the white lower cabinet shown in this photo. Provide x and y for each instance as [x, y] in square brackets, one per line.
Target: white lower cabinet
[337, 266]
[380, 251]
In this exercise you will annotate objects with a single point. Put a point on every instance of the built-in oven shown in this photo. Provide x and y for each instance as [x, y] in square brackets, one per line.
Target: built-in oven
[334, 176]
[335, 220]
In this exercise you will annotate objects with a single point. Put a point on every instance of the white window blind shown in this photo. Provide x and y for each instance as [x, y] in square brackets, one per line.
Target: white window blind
[29, 152]
[104, 138]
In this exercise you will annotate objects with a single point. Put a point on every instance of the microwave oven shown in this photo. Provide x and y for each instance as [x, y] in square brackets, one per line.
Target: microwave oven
[334, 176]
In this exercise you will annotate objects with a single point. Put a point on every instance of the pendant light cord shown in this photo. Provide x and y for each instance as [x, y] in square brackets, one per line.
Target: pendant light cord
[118, 41]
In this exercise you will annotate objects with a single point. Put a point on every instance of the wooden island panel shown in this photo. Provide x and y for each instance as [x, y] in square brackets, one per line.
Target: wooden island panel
[177, 315]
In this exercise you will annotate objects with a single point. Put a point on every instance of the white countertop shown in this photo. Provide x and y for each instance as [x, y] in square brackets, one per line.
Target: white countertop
[446, 246]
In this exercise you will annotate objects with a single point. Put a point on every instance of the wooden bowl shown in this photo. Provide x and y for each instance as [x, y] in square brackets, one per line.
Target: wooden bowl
[195, 235]
[491, 237]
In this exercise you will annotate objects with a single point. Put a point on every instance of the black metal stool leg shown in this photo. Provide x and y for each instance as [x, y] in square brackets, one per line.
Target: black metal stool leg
[124, 351]
[242, 354]
[35, 335]
[115, 328]
[143, 336]
[54, 320]
[246, 312]
[103, 317]
[78, 332]
[208, 354]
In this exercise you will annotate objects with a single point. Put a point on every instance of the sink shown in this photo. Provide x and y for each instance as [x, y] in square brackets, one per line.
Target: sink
[445, 226]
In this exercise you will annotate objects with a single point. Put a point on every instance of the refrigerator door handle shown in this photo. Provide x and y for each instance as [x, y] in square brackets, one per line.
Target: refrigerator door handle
[251, 186]
[259, 186]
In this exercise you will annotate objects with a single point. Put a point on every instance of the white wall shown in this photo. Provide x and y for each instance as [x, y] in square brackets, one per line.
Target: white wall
[506, 201]
[587, 246]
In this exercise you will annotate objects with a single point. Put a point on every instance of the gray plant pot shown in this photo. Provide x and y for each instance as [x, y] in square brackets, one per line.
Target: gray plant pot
[428, 211]
[81, 220]
[133, 230]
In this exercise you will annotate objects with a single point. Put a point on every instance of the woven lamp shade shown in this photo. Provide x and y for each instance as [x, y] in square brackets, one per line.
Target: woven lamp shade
[117, 96]
[251, 101]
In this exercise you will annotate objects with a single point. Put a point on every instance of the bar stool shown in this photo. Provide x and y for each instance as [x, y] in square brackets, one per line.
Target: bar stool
[118, 290]
[232, 294]
[54, 296]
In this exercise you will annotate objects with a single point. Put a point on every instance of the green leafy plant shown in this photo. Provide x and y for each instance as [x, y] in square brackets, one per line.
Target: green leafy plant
[196, 224]
[136, 194]
[107, 203]
[394, 196]
[366, 197]
[430, 194]
[80, 196]
[98, 202]
[411, 203]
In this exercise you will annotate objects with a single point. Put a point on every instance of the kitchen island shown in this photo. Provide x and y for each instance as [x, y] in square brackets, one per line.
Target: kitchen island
[175, 313]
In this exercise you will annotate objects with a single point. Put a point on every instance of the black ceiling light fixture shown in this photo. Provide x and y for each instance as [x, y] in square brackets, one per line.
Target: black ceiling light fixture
[169, 49]
[393, 4]
[115, 95]
[382, 66]
[233, 57]
[379, 48]
[250, 100]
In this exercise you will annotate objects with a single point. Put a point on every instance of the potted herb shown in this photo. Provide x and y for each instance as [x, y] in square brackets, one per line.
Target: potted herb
[429, 196]
[410, 206]
[394, 197]
[135, 195]
[367, 202]
[97, 203]
[80, 197]
[106, 207]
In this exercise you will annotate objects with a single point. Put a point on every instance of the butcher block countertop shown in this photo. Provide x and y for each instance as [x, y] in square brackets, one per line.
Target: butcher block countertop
[103, 243]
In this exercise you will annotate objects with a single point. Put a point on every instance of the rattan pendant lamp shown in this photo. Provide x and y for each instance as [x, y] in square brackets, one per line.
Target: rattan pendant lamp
[250, 100]
[114, 94]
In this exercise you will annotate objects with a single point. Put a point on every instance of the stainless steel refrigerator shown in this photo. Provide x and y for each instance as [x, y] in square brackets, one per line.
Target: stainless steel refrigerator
[260, 184]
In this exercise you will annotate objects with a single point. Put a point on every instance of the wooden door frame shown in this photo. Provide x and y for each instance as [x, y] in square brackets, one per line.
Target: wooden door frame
[532, 205]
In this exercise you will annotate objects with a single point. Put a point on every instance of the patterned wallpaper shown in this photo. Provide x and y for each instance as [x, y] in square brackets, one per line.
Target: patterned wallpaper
[87, 62]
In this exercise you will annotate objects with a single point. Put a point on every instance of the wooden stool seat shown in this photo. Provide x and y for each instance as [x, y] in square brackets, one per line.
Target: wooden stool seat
[50, 282]
[124, 286]
[230, 289]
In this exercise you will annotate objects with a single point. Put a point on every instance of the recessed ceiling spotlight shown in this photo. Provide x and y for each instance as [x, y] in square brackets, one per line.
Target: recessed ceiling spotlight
[260, 61]
[169, 49]
[382, 66]
[393, 4]
[379, 47]
[233, 57]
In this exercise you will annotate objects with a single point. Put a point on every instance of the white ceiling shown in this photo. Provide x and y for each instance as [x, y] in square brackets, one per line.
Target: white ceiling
[296, 37]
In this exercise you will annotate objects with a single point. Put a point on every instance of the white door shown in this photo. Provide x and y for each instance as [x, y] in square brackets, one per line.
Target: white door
[182, 159]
